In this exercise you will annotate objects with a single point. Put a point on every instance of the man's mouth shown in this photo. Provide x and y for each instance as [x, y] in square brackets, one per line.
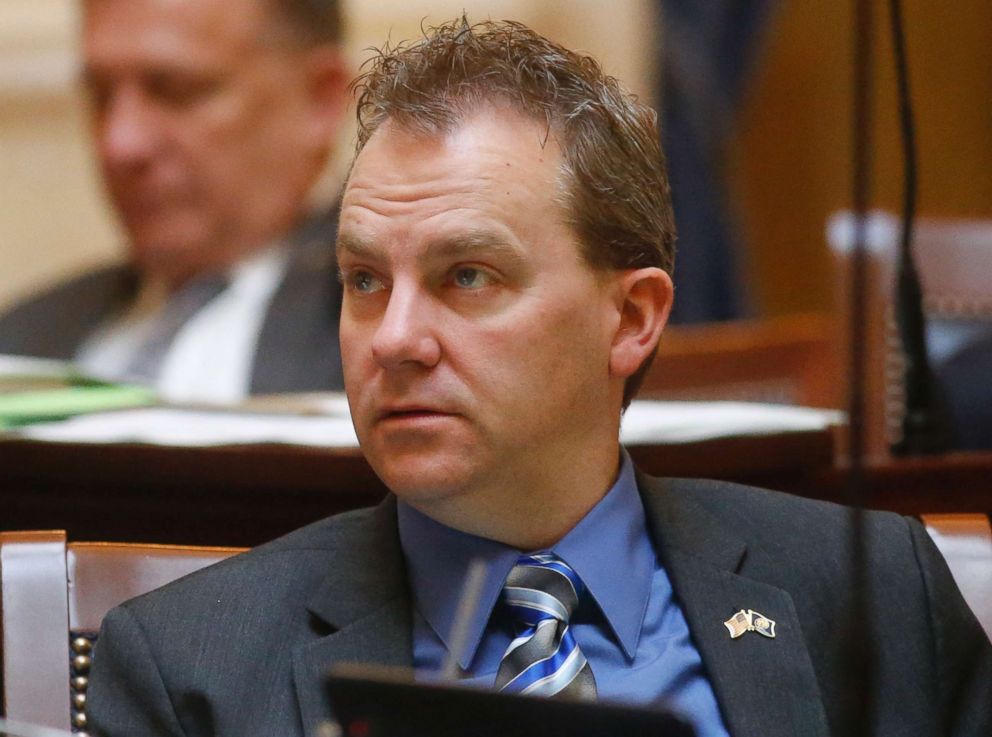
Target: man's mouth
[411, 413]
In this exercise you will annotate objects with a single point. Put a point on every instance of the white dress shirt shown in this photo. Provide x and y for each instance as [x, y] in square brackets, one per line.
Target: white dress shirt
[210, 358]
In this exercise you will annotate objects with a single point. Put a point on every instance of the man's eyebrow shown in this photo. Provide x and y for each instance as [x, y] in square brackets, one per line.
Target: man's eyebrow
[462, 245]
[473, 243]
[354, 246]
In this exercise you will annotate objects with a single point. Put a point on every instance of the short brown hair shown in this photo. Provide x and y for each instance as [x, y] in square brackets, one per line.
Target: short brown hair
[312, 22]
[617, 197]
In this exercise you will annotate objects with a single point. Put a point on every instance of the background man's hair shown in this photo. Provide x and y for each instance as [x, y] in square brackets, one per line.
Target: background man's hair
[616, 193]
[312, 22]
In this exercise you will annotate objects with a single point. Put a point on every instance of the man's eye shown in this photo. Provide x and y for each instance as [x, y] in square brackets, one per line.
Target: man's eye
[182, 91]
[468, 277]
[97, 93]
[363, 282]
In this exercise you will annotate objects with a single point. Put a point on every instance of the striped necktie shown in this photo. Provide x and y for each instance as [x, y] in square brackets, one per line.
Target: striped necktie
[541, 593]
[147, 362]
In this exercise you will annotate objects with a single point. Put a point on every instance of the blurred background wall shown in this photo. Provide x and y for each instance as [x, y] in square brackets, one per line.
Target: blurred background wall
[53, 219]
[790, 165]
[787, 161]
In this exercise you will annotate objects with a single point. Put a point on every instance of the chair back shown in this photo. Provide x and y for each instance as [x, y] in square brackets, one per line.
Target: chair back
[785, 360]
[965, 541]
[54, 597]
[954, 260]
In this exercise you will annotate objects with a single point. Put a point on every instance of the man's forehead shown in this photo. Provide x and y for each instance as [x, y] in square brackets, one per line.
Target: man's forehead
[483, 149]
[173, 29]
[492, 183]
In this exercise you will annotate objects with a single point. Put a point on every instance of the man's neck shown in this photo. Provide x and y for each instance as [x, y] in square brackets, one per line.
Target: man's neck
[534, 511]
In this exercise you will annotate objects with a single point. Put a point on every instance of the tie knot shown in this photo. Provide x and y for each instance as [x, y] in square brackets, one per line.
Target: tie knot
[542, 587]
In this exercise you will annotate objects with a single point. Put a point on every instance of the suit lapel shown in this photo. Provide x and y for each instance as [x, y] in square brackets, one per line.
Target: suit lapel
[383, 637]
[365, 601]
[765, 686]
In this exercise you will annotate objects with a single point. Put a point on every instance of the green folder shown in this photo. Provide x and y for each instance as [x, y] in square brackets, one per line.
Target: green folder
[24, 408]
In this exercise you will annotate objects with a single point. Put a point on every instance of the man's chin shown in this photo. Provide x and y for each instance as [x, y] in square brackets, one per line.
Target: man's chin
[167, 252]
[423, 481]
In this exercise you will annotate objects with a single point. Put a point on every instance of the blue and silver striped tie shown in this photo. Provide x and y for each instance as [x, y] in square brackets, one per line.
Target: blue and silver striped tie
[541, 593]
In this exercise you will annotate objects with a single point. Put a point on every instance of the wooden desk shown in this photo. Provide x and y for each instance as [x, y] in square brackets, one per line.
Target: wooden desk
[246, 495]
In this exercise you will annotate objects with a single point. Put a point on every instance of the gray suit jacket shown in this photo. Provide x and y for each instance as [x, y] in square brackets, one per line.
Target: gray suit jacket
[297, 347]
[241, 648]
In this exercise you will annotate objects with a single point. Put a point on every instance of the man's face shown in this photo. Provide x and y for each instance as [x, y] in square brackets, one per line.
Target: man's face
[475, 338]
[209, 127]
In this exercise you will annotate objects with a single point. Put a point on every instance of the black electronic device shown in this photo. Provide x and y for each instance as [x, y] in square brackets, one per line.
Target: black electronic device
[376, 702]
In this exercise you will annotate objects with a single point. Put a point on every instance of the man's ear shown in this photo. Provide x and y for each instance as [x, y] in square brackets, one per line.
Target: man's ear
[645, 300]
[327, 81]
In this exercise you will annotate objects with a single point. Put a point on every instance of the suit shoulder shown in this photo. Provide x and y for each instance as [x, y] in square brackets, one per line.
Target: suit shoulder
[52, 322]
[784, 521]
[752, 500]
[322, 532]
[100, 279]
[288, 566]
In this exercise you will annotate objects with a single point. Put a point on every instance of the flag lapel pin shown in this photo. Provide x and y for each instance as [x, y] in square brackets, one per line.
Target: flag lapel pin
[738, 624]
[750, 621]
[762, 624]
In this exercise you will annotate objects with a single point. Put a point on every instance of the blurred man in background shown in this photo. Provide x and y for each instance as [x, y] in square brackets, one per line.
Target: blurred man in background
[213, 121]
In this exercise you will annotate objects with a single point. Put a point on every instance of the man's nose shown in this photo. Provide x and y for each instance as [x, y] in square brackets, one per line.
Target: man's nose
[407, 334]
[128, 132]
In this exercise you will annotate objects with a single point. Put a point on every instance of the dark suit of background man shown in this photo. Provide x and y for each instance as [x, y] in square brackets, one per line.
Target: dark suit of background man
[212, 121]
[505, 244]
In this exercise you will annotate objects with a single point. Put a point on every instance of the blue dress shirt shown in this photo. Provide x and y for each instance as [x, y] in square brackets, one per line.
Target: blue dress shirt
[631, 629]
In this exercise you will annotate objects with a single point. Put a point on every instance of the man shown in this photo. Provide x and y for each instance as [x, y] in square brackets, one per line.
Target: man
[505, 245]
[213, 121]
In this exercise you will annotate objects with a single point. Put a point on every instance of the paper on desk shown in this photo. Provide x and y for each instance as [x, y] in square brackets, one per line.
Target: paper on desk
[645, 422]
[198, 428]
[689, 422]
[25, 373]
[47, 368]
[38, 389]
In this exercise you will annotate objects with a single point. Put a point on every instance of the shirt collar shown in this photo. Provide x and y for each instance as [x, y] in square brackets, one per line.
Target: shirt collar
[438, 559]
[614, 537]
